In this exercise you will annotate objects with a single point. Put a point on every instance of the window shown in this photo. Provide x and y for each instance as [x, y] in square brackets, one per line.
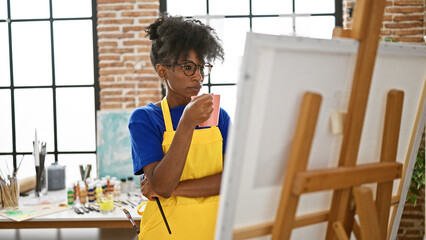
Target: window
[48, 82]
[232, 19]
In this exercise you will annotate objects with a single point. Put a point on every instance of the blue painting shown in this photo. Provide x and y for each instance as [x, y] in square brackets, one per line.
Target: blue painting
[113, 144]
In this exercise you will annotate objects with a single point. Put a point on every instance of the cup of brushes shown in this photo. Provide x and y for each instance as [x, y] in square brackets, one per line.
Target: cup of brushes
[41, 173]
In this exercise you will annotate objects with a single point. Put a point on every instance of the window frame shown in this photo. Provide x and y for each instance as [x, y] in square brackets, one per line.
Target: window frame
[53, 86]
[338, 17]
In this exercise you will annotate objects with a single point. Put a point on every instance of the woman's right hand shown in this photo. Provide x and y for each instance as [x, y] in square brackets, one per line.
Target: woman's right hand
[199, 109]
[147, 190]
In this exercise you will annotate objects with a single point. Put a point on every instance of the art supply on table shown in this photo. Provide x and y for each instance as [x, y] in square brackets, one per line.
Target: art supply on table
[9, 192]
[70, 196]
[40, 152]
[83, 207]
[106, 203]
[85, 172]
[91, 193]
[130, 184]
[107, 178]
[55, 177]
[17, 169]
[77, 210]
[98, 192]
[74, 186]
[104, 186]
[83, 193]
[162, 214]
[117, 189]
[131, 220]
[92, 207]
[123, 185]
[131, 203]
[110, 186]
[33, 211]
[26, 184]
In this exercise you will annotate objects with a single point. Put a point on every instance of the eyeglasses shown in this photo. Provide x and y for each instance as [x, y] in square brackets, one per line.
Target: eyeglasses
[189, 68]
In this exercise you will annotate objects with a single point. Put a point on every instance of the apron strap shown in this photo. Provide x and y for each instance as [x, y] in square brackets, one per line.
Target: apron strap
[166, 115]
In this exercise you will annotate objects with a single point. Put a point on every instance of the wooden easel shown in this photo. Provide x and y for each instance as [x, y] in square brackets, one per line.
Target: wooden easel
[345, 179]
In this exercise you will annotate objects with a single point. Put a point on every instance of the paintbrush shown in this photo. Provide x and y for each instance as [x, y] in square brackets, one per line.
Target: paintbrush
[131, 220]
[162, 214]
[16, 170]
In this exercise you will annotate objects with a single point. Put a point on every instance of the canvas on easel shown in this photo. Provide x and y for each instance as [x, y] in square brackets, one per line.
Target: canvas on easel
[276, 73]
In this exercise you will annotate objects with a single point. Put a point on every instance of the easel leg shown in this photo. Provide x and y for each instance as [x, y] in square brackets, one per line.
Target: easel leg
[388, 153]
[340, 231]
[297, 162]
[368, 219]
[367, 22]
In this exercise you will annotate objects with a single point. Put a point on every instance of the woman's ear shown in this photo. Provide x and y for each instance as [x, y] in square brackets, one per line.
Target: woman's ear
[161, 70]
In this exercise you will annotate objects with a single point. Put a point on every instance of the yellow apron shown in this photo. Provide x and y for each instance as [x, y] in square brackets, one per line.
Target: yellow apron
[188, 218]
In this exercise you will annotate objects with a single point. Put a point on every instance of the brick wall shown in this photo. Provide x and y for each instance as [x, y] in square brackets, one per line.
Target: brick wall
[412, 225]
[126, 76]
[403, 21]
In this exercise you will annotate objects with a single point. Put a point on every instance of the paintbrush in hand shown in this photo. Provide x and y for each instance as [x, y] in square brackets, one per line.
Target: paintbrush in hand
[162, 214]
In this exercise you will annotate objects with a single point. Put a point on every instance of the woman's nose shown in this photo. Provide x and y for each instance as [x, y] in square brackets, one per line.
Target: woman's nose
[199, 74]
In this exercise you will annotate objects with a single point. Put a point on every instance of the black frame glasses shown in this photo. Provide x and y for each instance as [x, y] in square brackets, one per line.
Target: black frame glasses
[189, 68]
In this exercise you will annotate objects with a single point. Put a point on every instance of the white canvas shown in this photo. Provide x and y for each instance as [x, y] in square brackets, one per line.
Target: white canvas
[276, 71]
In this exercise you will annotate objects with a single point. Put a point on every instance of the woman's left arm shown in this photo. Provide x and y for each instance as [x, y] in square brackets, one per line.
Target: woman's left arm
[200, 187]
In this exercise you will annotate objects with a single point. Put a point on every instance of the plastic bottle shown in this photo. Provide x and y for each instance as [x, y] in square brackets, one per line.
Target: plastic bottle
[117, 189]
[91, 193]
[70, 195]
[83, 193]
[74, 188]
[108, 180]
[123, 185]
[98, 192]
[111, 186]
[104, 186]
[130, 185]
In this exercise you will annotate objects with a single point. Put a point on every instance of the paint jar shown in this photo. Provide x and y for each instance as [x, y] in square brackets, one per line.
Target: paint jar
[98, 192]
[83, 194]
[123, 185]
[111, 186]
[104, 186]
[70, 196]
[106, 203]
[117, 189]
[91, 193]
[131, 186]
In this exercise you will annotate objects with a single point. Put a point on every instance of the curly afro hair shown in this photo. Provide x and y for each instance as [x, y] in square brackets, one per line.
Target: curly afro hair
[173, 37]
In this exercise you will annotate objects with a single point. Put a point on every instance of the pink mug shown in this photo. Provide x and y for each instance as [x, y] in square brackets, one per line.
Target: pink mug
[214, 118]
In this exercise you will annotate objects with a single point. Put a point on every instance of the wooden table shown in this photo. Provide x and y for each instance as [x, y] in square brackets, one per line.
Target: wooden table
[70, 219]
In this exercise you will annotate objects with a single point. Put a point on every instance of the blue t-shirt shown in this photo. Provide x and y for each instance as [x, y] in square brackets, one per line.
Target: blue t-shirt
[146, 126]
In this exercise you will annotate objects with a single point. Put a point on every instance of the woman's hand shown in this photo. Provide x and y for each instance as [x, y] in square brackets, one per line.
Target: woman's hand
[147, 190]
[199, 109]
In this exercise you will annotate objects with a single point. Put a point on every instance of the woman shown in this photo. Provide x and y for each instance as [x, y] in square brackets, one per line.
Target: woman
[182, 162]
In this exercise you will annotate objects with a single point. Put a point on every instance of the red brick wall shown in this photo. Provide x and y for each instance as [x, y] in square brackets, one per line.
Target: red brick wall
[403, 21]
[126, 77]
[412, 225]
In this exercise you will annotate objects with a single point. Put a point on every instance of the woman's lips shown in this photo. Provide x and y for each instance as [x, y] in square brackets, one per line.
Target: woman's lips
[195, 88]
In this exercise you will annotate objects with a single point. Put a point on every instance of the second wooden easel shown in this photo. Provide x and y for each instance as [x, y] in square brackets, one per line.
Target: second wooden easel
[345, 179]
